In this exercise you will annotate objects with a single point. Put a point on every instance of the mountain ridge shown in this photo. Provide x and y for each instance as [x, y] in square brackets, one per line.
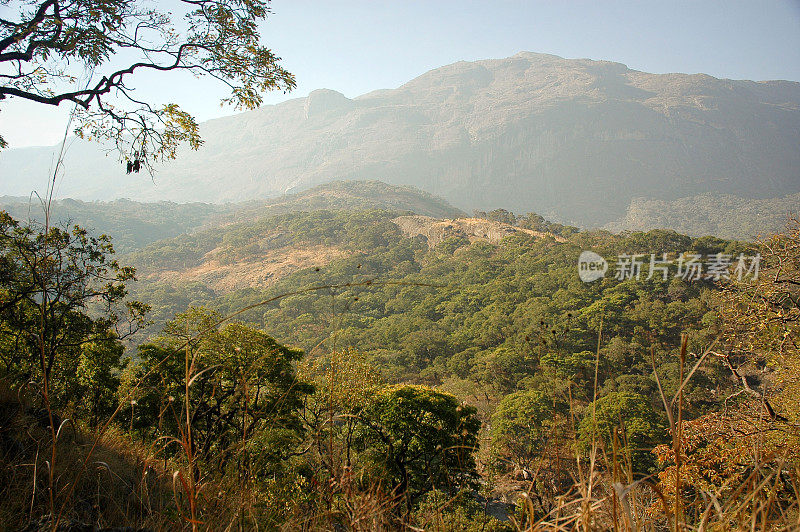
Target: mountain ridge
[572, 139]
[257, 253]
[133, 225]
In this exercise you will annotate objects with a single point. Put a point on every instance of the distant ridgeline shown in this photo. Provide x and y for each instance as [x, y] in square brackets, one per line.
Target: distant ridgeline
[134, 224]
[572, 139]
[131, 224]
[725, 216]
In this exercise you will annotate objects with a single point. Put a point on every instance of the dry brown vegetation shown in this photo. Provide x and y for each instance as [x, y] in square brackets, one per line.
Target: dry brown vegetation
[260, 272]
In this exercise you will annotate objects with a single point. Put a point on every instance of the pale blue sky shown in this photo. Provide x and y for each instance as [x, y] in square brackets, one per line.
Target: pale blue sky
[358, 46]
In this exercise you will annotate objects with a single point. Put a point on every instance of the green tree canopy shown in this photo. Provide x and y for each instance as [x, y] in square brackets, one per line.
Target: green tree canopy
[63, 311]
[632, 418]
[243, 390]
[521, 427]
[421, 439]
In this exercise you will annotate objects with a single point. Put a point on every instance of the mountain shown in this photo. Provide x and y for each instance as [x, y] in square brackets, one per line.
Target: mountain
[572, 139]
[720, 215]
[353, 195]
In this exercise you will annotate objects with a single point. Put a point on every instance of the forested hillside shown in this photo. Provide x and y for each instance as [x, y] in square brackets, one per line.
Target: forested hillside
[720, 215]
[356, 365]
[131, 224]
[471, 302]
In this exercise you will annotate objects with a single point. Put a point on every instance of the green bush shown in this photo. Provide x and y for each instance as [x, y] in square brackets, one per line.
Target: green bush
[632, 419]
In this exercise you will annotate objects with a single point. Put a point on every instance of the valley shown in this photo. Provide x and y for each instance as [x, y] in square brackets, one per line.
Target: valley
[473, 289]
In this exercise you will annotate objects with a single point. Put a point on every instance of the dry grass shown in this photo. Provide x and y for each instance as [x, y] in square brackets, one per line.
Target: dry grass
[123, 482]
[127, 484]
[260, 272]
[757, 487]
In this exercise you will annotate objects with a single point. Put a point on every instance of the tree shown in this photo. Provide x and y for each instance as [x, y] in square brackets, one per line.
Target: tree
[522, 425]
[344, 383]
[243, 391]
[501, 215]
[421, 439]
[502, 369]
[50, 44]
[444, 512]
[761, 325]
[577, 368]
[631, 417]
[718, 454]
[97, 379]
[63, 310]
[758, 429]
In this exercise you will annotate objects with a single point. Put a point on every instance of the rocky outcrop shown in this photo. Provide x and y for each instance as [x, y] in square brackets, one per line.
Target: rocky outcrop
[474, 229]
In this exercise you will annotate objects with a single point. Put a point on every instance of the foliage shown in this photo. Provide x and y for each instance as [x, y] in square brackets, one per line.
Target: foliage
[761, 320]
[421, 439]
[488, 304]
[441, 512]
[720, 452]
[522, 426]
[63, 311]
[744, 454]
[47, 44]
[344, 382]
[626, 424]
[545, 360]
[243, 392]
[532, 221]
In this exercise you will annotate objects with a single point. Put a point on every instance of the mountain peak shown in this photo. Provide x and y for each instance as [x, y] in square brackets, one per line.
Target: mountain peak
[323, 101]
[536, 56]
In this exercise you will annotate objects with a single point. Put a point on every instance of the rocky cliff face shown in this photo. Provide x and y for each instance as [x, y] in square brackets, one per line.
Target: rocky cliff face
[574, 140]
[724, 216]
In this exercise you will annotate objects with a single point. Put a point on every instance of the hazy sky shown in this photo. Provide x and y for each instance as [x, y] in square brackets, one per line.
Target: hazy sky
[358, 46]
